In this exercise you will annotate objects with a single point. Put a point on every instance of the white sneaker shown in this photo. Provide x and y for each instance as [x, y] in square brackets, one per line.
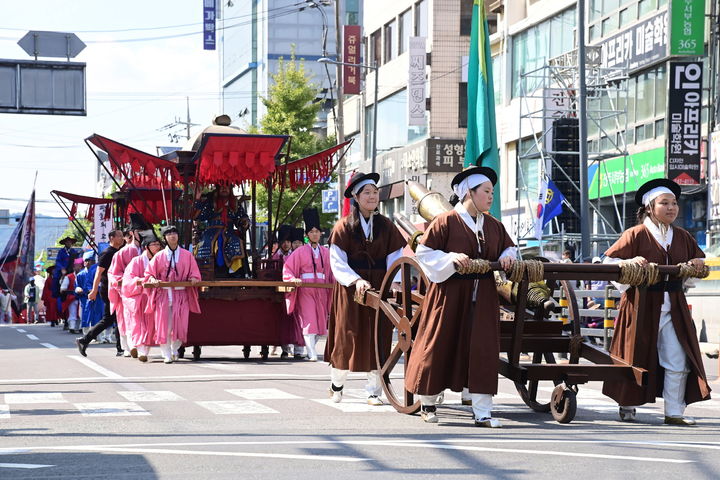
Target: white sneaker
[627, 414]
[374, 400]
[126, 354]
[167, 360]
[440, 399]
[429, 416]
[313, 359]
[336, 395]
[488, 422]
[679, 420]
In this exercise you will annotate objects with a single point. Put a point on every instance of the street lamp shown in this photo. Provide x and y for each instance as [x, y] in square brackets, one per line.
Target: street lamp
[375, 106]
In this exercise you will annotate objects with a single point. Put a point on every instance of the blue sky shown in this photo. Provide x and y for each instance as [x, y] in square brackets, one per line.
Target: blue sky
[133, 88]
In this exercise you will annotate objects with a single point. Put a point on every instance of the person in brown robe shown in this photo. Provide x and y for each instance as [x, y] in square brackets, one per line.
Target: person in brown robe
[362, 247]
[669, 348]
[458, 340]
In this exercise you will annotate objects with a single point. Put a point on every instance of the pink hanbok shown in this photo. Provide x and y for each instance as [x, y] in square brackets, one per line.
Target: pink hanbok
[115, 273]
[171, 307]
[140, 324]
[309, 306]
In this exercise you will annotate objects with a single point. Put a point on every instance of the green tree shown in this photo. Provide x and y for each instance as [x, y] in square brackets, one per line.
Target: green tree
[292, 109]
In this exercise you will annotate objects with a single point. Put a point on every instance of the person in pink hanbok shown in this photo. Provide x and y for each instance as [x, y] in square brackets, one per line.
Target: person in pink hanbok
[284, 243]
[310, 264]
[135, 297]
[115, 273]
[171, 306]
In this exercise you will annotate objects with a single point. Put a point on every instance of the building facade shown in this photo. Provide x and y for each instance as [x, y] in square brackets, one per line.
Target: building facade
[254, 35]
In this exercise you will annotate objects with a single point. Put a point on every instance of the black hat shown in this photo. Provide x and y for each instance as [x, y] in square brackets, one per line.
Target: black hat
[137, 222]
[359, 177]
[147, 237]
[285, 233]
[478, 169]
[311, 217]
[169, 229]
[298, 234]
[658, 182]
[63, 240]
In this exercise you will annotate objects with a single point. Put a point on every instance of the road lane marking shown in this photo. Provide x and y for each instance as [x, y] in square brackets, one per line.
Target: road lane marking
[21, 330]
[32, 337]
[30, 397]
[94, 366]
[236, 407]
[4, 412]
[110, 409]
[262, 394]
[23, 465]
[150, 396]
[352, 405]
[49, 345]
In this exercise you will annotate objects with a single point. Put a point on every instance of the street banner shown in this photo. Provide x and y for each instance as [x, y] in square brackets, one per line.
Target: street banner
[683, 131]
[416, 82]
[481, 145]
[714, 178]
[102, 223]
[351, 54]
[17, 261]
[208, 24]
[637, 46]
[687, 28]
[550, 201]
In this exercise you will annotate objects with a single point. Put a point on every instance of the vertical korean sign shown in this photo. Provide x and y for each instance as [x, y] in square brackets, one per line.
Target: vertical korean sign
[416, 82]
[687, 27]
[351, 54]
[683, 137]
[101, 223]
[208, 24]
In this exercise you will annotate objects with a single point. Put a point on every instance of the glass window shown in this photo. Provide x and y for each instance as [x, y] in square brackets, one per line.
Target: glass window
[421, 18]
[660, 127]
[462, 105]
[498, 76]
[375, 48]
[595, 9]
[405, 30]
[610, 5]
[646, 6]
[639, 134]
[466, 9]
[610, 24]
[529, 172]
[645, 97]
[392, 124]
[660, 91]
[594, 32]
[391, 41]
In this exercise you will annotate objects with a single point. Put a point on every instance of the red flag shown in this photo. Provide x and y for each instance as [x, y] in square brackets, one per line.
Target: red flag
[346, 201]
[17, 262]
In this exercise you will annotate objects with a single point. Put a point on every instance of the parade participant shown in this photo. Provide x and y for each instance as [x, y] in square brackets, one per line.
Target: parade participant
[458, 338]
[297, 238]
[30, 294]
[171, 306]
[5, 308]
[223, 222]
[362, 246]
[135, 297]
[51, 311]
[117, 269]
[70, 301]
[92, 310]
[101, 284]
[310, 264]
[63, 265]
[670, 352]
[285, 243]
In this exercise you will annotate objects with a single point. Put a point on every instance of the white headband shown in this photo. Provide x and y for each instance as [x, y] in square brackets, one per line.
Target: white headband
[654, 193]
[469, 182]
[360, 185]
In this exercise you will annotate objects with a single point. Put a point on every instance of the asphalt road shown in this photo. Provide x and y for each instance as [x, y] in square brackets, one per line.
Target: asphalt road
[65, 416]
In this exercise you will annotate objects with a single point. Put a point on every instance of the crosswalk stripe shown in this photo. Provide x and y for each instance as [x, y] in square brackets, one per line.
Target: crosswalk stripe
[30, 397]
[110, 409]
[262, 394]
[236, 407]
[150, 396]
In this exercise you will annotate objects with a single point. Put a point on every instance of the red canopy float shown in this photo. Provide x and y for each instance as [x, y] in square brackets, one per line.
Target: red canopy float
[313, 169]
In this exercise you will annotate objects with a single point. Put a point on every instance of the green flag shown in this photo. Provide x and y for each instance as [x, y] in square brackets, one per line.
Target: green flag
[481, 142]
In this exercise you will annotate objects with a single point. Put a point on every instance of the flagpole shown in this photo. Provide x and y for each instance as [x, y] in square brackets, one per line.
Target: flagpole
[582, 131]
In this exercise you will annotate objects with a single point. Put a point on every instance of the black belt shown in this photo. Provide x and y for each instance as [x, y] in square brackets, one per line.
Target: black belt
[666, 286]
[471, 276]
[364, 264]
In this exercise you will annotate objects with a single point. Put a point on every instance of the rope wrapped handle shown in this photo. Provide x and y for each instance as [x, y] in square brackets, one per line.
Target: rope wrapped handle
[534, 268]
[636, 275]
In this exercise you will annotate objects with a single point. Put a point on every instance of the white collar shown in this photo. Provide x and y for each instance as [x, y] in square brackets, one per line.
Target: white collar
[664, 240]
[170, 253]
[476, 226]
[367, 226]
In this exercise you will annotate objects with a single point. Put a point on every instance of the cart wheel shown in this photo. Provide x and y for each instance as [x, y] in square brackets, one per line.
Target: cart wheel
[246, 352]
[563, 404]
[181, 352]
[395, 327]
[196, 352]
[529, 391]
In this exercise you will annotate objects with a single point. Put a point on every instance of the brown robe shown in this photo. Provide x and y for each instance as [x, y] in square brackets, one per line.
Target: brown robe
[639, 241]
[351, 326]
[458, 344]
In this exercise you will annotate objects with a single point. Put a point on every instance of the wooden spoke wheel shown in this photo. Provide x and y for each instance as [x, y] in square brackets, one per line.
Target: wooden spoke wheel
[563, 404]
[396, 324]
[529, 390]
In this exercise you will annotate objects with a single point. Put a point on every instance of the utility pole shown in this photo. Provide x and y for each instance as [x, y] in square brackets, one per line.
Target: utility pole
[174, 137]
[339, 120]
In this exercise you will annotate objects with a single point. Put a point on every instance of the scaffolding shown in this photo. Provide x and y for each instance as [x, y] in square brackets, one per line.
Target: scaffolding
[549, 93]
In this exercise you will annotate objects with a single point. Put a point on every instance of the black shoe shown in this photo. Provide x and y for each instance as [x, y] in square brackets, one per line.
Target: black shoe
[82, 346]
[284, 355]
[120, 353]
